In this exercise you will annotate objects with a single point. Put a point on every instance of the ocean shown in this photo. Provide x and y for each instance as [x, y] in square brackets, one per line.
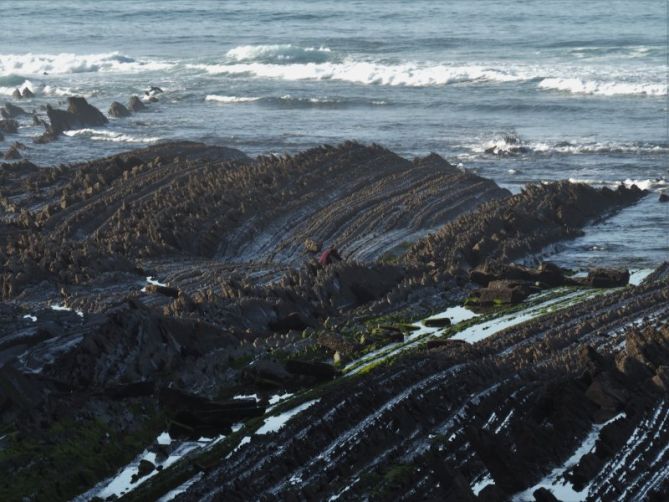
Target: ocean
[520, 92]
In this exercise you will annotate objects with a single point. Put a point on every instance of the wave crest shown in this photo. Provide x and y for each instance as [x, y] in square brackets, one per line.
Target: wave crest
[105, 135]
[511, 144]
[278, 53]
[65, 63]
[368, 73]
[580, 86]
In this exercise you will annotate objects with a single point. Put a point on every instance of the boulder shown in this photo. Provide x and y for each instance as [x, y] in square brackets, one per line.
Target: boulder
[162, 290]
[135, 104]
[27, 93]
[118, 110]
[86, 114]
[145, 468]
[16, 94]
[607, 278]
[664, 197]
[2, 137]
[9, 126]
[501, 292]
[437, 322]
[79, 114]
[546, 273]
[544, 495]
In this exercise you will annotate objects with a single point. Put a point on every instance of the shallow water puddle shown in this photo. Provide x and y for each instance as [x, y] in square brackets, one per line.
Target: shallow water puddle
[638, 276]
[122, 483]
[275, 423]
[155, 282]
[63, 308]
[555, 482]
[540, 304]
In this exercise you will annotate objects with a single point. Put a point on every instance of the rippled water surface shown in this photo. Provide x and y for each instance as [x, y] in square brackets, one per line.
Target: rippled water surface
[520, 91]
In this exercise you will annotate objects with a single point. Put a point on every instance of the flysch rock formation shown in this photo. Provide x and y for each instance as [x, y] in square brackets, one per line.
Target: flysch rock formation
[191, 271]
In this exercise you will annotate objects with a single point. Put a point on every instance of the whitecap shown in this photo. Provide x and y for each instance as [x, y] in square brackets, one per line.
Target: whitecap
[278, 53]
[229, 99]
[603, 88]
[67, 63]
[112, 136]
[368, 73]
[9, 90]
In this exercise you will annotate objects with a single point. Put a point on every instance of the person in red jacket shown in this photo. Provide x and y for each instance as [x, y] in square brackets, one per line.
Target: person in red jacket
[329, 256]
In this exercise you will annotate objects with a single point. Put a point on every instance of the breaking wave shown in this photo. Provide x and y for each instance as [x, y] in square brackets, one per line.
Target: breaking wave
[104, 135]
[511, 144]
[367, 73]
[65, 63]
[293, 101]
[654, 185]
[580, 86]
[279, 53]
[229, 99]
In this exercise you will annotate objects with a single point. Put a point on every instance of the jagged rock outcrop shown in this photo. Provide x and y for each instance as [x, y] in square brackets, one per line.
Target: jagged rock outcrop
[524, 223]
[118, 110]
[88, 336]
[135, 104]
[458, 422]
[79, 114]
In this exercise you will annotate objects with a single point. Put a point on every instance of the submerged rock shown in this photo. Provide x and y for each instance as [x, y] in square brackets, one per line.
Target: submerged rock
[135, 104]
[118, 110]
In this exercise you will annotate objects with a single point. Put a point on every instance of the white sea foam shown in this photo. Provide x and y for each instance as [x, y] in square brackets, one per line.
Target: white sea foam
[65, 63]
[512, 144]
[288, 62]
[229, 99]
[113, 136]
[603, 88]
[656, 185]
[278, 53]
[368, 73]
[8, 90]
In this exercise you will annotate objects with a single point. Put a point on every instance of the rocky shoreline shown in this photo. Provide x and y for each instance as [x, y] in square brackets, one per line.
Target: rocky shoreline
[145, 291]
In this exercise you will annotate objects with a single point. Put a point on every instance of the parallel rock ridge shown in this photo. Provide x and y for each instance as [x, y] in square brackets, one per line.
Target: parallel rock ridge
[90, 336]
[575, 401]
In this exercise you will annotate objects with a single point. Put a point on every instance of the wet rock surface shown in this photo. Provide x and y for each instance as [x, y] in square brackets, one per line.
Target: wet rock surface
[151, 287]
[440, 423]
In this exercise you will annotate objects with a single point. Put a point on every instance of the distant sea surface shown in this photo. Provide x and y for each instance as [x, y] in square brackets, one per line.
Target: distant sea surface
[519, 91]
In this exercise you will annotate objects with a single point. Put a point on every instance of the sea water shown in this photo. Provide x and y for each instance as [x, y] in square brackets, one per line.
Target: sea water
[517, 91]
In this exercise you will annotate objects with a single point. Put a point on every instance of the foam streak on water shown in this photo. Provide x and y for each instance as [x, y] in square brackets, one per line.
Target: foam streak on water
[549, 90]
